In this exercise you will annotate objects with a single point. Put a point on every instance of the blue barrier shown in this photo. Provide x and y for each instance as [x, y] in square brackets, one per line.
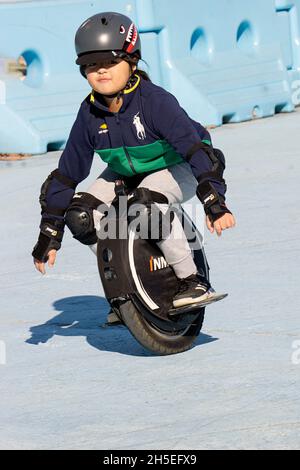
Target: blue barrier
[40, 109]
[288, 13]
[221, 58]
[224, 60]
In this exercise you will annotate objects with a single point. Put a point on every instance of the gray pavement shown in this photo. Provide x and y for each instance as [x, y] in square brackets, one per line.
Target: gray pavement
[70, 383]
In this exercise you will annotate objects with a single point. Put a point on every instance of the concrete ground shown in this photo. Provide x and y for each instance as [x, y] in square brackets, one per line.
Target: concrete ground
[71, 383]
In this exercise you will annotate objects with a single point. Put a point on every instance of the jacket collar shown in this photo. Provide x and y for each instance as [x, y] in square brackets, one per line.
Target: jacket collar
[96, 99]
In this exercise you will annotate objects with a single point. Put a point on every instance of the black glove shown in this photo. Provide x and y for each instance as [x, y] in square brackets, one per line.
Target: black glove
[213, 202]
[50, 238]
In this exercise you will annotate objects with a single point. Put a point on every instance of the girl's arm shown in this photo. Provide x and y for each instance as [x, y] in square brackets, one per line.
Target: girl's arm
[191, 140]
[173, 124]
[74, 164]
[58, 189]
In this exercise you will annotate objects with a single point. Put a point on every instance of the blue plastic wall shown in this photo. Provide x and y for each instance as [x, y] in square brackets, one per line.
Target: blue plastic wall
[288, 13]
[222, 58]
[225, 60]
[40, 110]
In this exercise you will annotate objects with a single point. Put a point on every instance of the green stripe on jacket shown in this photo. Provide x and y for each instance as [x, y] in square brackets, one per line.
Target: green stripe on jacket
[144, 158]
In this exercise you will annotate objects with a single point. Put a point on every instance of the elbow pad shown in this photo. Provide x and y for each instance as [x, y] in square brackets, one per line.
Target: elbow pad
[217, 159]
[56, 211]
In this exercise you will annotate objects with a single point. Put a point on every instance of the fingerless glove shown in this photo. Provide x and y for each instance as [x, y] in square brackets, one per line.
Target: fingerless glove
[50, 238]
[213, 203]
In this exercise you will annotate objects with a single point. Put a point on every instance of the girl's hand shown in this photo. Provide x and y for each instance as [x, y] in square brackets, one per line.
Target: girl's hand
[40, 266]
[223, 223]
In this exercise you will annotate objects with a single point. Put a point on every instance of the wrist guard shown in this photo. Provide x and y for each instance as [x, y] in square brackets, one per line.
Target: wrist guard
[50, 238]
[214, 204]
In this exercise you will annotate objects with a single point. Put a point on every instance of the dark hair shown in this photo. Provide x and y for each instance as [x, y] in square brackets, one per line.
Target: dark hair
[134, 61]
[143, 74]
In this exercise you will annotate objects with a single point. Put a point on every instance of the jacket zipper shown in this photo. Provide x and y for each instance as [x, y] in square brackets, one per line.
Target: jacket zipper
[125, 149]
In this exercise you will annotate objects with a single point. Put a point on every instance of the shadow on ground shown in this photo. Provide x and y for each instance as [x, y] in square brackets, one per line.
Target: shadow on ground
[86, 316]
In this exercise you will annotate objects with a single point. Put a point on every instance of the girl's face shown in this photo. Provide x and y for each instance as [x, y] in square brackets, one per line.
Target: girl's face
[108, 76]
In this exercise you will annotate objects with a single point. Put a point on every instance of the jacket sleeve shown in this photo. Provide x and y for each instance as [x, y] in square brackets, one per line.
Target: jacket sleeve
[75, 162]
[172, 123]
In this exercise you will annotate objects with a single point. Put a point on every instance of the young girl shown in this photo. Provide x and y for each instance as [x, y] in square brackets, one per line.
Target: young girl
[145, 138]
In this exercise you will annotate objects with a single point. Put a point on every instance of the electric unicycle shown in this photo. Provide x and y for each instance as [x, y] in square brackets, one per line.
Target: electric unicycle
[140, 286]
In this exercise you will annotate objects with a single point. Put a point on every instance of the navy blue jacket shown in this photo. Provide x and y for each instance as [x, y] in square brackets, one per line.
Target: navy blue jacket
[150, 131]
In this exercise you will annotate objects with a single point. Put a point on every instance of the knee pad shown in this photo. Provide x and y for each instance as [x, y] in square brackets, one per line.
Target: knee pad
[151, 221]
[79, 217]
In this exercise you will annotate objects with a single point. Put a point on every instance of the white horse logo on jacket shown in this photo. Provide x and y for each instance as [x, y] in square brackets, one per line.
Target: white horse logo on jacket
[139, 127]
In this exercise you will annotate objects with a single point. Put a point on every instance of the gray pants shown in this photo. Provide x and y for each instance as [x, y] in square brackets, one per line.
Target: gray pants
[178, 184]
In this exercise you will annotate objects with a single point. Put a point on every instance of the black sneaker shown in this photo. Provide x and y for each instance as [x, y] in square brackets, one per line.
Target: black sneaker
[193, 290]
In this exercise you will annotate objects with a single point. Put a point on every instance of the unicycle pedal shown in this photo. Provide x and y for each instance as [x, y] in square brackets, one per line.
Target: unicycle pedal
[195, 307]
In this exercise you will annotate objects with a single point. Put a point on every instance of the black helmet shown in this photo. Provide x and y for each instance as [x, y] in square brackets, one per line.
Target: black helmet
[107, 35]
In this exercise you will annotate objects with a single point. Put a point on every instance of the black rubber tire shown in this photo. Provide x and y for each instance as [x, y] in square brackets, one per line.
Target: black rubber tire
[157, 341]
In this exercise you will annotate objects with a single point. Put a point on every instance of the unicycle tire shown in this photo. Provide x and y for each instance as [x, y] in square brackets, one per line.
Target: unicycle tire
[156, 340]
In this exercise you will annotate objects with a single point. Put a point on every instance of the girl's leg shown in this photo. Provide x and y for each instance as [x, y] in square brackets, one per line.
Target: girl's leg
[178, 184]
[104, 189]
